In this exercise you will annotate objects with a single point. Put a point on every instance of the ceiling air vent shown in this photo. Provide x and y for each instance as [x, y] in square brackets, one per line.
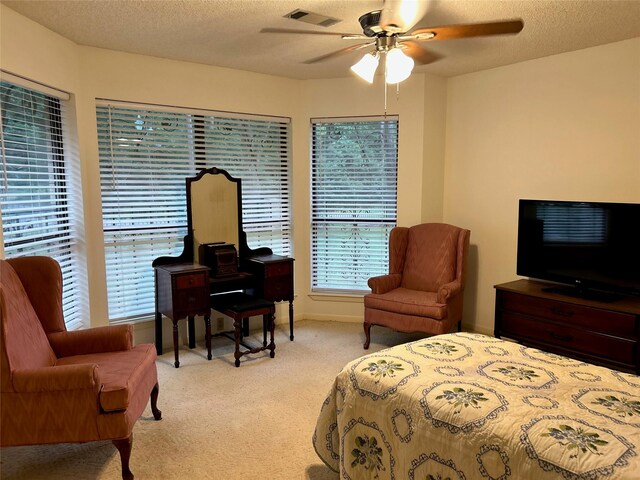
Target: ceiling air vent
[312, 18]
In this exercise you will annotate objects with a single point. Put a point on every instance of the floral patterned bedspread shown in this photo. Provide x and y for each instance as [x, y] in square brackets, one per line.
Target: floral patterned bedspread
[469, 406]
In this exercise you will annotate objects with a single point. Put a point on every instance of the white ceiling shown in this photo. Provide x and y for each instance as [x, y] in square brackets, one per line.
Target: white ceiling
[227, 32]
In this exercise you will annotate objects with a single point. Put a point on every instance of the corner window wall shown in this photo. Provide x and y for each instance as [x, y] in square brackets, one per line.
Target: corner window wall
[39, 210]
[353, 200]
[146, 153]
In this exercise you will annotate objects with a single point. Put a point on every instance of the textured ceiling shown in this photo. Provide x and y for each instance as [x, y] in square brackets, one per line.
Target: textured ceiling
[227, 32]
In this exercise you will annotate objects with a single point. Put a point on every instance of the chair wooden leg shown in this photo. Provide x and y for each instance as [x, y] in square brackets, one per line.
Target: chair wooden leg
[237, 335]
[265, 327]
[367, 332]
[207, 334]
[157, 414]
[124, 447]
[272, 327]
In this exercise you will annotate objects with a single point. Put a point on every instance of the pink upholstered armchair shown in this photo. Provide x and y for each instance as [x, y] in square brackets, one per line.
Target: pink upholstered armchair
[424, 287]
[66, 387]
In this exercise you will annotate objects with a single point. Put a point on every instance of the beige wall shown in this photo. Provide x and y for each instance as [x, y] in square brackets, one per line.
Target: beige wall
[435, 122]
[565, 127]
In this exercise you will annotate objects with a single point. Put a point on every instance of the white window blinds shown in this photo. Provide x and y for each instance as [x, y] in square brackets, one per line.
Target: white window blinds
[146, 153]
[39, 214]
[353, 200]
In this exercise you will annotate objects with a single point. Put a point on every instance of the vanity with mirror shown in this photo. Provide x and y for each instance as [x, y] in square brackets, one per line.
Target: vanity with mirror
[215, 259]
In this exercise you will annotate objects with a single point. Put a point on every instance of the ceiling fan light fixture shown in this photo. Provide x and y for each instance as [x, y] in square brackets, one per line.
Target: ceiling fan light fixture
[398, 66]
[366, 67]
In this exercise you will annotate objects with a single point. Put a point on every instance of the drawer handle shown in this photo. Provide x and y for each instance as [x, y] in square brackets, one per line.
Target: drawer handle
[562, 313]
[562, 338]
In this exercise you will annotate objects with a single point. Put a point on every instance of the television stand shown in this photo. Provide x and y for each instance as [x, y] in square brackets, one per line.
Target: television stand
[587, 294]
[602, 333]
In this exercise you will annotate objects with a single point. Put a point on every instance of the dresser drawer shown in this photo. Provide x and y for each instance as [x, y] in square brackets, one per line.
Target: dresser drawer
[278, 269]
[189, 300]
[595, 319]
[192, 280]
[278, 288]
[570, 338]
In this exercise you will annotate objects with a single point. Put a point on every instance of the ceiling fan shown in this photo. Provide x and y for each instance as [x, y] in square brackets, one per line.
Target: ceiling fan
[387, 30]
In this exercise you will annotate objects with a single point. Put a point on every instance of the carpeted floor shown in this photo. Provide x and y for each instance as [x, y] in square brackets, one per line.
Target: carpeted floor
[222, 422]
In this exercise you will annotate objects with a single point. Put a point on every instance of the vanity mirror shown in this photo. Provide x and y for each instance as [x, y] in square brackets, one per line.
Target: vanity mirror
[213, 213]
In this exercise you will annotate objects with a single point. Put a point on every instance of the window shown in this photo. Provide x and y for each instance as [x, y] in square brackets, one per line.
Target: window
[353, 200]
[37, 195]
[147, 152]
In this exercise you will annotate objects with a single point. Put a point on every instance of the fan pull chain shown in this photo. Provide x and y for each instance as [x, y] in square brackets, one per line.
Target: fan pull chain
[385, 99]
[385, 88]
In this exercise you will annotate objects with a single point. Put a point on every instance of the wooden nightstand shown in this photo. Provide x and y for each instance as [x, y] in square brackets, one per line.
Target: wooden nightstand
[182, 291]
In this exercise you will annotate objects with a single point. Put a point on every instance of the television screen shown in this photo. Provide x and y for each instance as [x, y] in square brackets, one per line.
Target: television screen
[589, 245]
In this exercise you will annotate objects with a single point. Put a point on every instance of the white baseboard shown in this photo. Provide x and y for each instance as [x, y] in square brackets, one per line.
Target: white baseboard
[333, 318]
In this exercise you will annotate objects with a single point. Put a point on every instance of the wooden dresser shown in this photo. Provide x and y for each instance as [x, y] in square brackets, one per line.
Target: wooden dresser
[603, 333]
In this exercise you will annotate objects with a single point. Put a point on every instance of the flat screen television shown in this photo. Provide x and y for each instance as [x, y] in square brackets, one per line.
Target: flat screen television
[592, 247]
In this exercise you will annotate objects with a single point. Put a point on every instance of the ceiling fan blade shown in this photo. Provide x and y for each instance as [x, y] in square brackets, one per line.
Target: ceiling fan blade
[337, 53]
[311, 32]
[471, 30]
[400, 15]
[419, 54]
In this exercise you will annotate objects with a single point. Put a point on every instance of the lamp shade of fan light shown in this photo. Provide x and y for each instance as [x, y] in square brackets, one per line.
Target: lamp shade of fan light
[398, 66]
[366, 67]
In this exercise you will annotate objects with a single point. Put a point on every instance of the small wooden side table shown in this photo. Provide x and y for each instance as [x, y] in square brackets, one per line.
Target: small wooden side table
[182, 291]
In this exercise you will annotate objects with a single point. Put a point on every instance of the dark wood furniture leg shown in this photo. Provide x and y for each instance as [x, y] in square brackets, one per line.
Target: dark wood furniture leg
[271, 318]
[192, 331]
[237, 334]
[124, 447]
[207, 335]
[158, 333]
[265, 327]
[175, 344]
[157, 414]
[291, 320]
[367, 333]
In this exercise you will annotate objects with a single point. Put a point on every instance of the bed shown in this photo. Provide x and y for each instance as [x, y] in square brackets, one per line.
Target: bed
[469, 406]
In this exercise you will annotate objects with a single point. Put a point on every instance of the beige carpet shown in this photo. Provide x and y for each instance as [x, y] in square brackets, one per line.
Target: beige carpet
[222, 422]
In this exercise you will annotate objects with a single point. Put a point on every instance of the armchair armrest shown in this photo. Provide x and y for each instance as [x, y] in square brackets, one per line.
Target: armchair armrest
[57, 379]
[449, 290]
[384, 283]
[112, 338]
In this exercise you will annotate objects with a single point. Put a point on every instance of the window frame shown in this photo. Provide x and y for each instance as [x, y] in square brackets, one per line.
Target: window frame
[201, 144]
[39, 165]
[325, 208]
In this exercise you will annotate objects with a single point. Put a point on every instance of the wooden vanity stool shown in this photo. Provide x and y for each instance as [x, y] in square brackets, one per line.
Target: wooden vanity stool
[240, 306]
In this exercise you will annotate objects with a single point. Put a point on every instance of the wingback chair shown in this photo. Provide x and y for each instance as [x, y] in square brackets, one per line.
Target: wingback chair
[60, 386]
[424, 287]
